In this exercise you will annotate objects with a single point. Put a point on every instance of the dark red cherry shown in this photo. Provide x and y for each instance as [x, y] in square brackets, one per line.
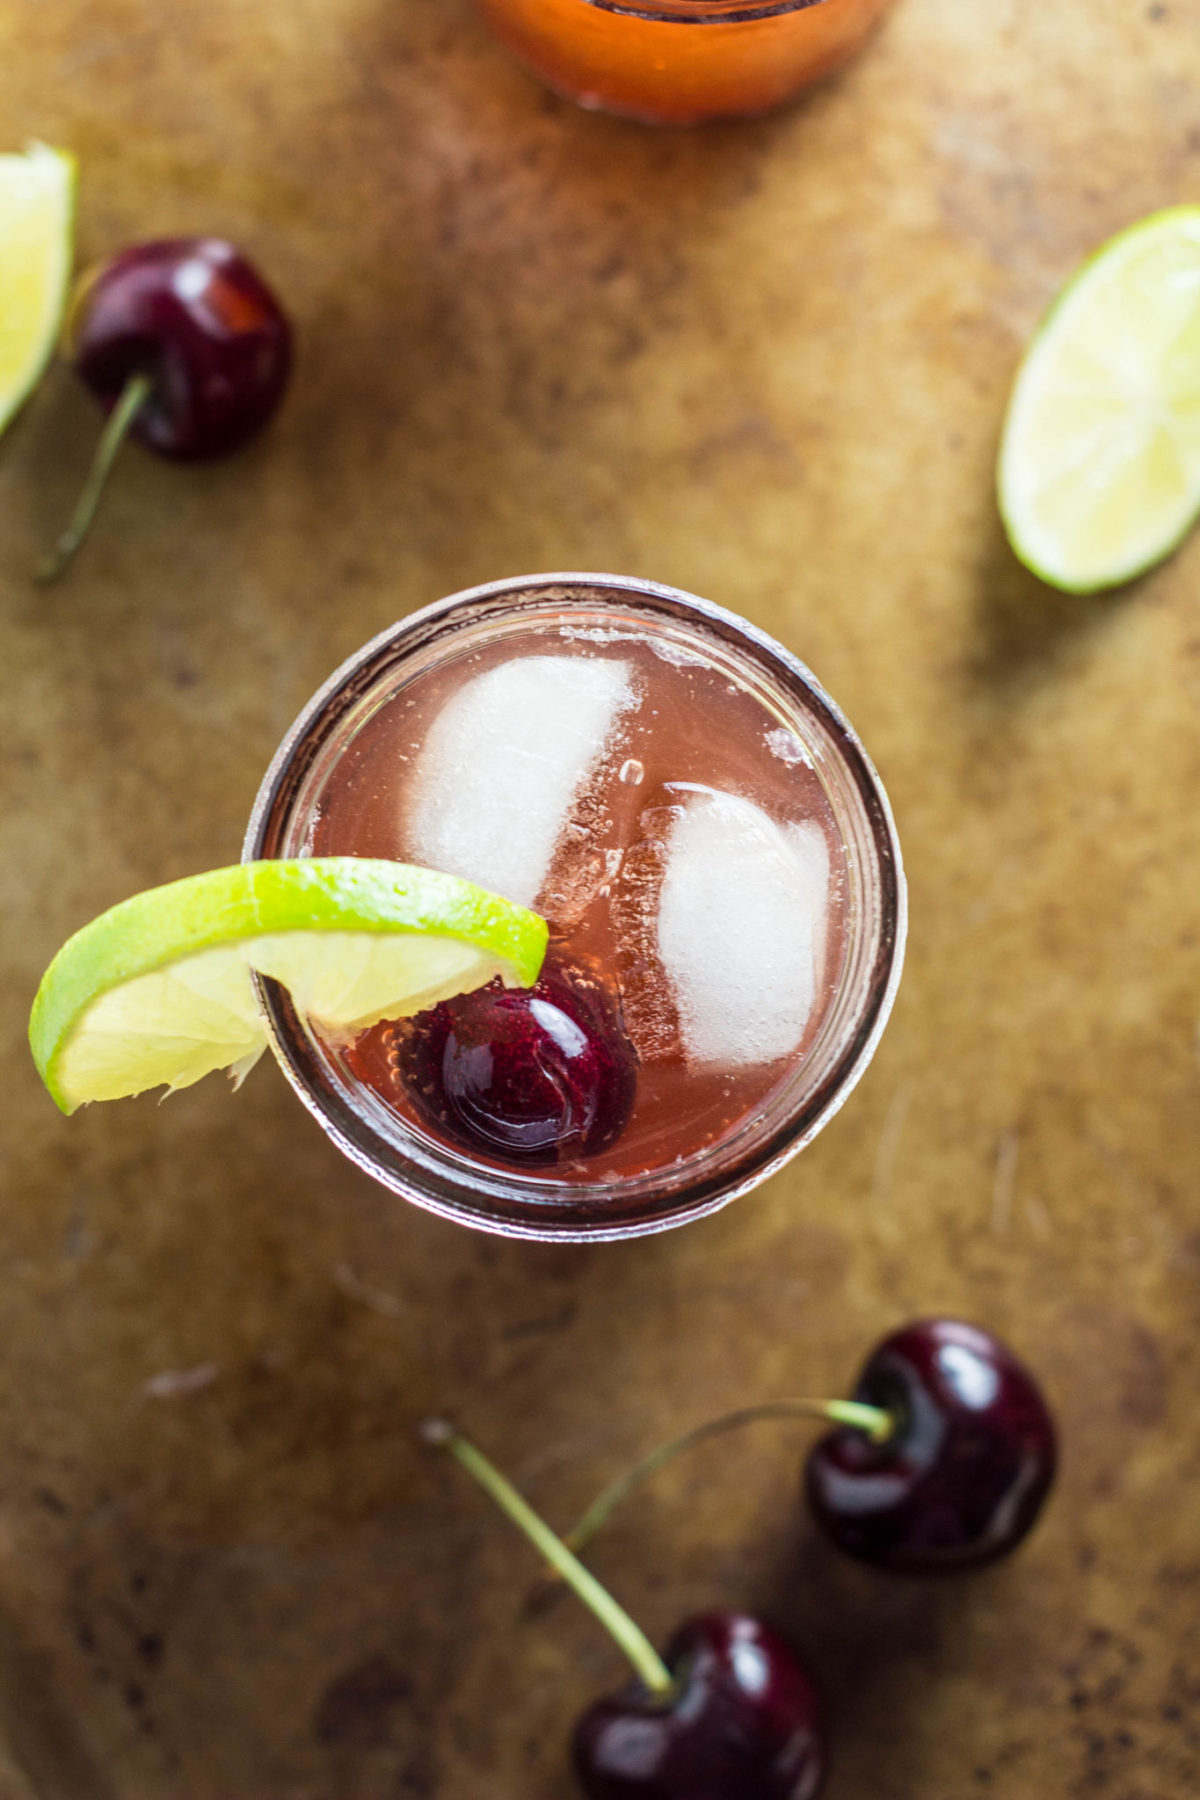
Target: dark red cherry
[743, 1723]
[970, 1461]
[185, 347]
[525, 1075]
[193, 316]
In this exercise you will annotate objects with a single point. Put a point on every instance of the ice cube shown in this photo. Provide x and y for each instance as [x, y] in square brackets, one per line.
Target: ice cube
[787, 747]
[741, 928]
[502, 764]
[810, 847]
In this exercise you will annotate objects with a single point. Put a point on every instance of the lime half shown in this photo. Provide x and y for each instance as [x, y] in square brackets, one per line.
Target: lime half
[37, 200]
[160, 990]
[1099, 474]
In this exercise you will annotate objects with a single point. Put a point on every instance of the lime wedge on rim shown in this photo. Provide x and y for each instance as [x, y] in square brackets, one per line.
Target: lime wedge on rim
[1099, 474]
[37, 201]
[160, 990]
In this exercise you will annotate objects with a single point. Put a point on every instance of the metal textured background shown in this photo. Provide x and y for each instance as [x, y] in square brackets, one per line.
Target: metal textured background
[766, 362]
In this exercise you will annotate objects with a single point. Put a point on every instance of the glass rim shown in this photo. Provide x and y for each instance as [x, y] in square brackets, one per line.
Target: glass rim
[702, 12]
[507, 1202]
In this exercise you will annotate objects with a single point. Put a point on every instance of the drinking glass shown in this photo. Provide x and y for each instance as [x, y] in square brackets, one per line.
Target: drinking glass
[302, 784]
[679, 62]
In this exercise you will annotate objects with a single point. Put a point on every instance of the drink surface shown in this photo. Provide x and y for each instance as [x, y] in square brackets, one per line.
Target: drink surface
[673, 827]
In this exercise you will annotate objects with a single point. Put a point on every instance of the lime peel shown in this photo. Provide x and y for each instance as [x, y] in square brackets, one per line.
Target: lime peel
[37, 211]
[160, 989]
[1099, 468]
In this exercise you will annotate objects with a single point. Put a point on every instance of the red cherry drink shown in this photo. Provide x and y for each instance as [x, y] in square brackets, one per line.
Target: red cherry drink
[708, 844]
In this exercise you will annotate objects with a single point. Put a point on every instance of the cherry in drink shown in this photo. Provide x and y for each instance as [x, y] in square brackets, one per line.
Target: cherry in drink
[714, 857]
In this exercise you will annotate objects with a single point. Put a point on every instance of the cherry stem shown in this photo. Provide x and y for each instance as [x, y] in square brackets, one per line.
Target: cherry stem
[647, 1663]
[116, 430]
[878, 1425]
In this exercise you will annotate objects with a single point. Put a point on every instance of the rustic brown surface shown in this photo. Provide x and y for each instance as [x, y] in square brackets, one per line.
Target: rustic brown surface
[765, 362]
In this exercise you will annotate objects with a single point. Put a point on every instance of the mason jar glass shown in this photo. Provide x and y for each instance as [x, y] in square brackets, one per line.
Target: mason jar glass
[680, 62]
[302, 785]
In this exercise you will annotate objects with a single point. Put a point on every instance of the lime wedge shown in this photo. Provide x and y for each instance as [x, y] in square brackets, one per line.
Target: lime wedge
[159, 990]
[1099, 473]
[37, 198]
